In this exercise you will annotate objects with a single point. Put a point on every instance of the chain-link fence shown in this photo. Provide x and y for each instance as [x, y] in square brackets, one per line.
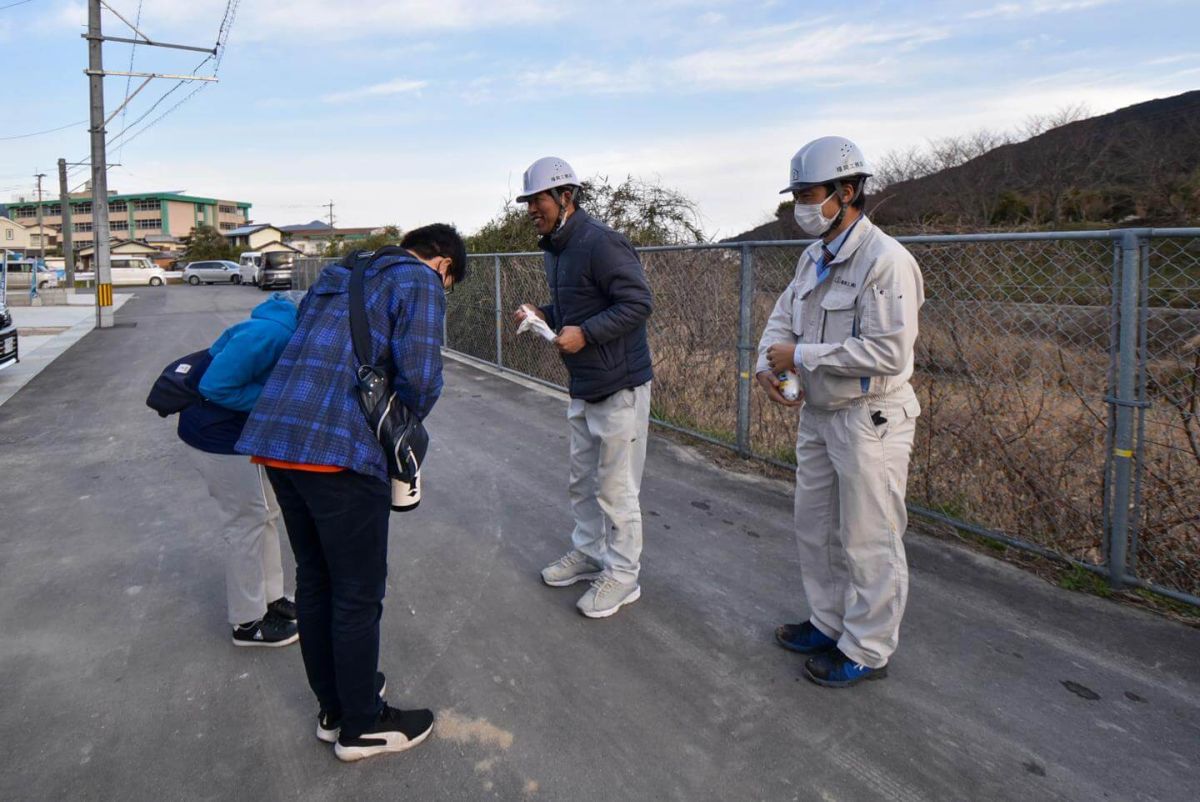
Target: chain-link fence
[1059, 376]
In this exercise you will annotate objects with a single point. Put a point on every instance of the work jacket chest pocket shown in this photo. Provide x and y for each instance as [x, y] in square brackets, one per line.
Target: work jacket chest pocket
[839, 316]
[797, 313]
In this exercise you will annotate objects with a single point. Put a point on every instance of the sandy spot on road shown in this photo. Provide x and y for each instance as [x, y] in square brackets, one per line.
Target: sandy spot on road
[461, 729]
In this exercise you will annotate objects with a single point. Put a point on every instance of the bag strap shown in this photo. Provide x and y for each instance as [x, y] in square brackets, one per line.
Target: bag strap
[360, 334]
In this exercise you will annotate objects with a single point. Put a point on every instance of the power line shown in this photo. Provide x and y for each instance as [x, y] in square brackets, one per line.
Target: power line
[48, 130]
[13, 5]
[129, 78]
[231, 8]
[223, 31]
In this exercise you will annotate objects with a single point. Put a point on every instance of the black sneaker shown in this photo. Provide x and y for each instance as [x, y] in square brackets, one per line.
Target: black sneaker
[328, 727]
[283, 607]
[395, 731]
[270, 631]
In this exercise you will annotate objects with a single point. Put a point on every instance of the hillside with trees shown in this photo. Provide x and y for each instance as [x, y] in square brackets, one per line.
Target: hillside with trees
[1136, 166]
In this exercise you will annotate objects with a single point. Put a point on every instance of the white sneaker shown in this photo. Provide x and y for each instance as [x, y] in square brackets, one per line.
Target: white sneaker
[572, 567]
[606, 596]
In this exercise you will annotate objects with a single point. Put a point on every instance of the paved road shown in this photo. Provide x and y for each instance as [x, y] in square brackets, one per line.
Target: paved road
[120, 683]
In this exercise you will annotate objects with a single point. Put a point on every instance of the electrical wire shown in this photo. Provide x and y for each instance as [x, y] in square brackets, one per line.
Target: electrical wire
[129, 78]
[47, 131]
[223, 32]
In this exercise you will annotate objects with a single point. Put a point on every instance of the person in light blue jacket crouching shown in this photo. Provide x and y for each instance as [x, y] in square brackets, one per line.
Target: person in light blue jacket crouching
[242, 359]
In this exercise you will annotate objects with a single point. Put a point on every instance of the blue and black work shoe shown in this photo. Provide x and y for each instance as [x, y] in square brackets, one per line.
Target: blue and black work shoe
[836, 670]
[804, 638]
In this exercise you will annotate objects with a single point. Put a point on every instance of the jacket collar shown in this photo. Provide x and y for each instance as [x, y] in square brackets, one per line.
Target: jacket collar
[857, 237]
[556, 241]
[808, 280]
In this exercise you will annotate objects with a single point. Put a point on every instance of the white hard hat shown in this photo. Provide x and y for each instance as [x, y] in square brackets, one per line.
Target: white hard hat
[830, 158]
[548, 173]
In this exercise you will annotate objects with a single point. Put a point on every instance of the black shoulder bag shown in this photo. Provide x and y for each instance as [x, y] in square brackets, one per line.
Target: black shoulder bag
[397, 428]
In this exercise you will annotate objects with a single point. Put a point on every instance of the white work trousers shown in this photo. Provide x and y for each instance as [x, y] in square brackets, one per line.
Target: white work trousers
[249, 525]
[608, 454]
[851, 476]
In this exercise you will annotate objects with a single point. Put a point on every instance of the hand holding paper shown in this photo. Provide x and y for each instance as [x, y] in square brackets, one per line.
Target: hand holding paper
[536, 324]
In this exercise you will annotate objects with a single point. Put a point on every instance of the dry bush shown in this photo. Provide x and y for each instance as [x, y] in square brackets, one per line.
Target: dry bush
[1013, 368]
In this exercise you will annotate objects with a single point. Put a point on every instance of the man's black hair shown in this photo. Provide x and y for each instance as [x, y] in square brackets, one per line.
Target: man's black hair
[439, 239]
[860, 199]
[576, 192]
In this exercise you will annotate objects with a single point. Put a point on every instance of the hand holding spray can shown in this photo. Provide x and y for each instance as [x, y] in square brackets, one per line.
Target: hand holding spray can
[789, 385]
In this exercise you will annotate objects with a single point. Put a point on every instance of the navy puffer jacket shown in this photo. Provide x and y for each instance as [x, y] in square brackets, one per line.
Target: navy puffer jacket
[597, 283]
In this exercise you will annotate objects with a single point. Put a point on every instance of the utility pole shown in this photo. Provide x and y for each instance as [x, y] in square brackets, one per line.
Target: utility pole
[330, 205]
[95, 73]
[100, 234]
[41, 231]
[67, 246]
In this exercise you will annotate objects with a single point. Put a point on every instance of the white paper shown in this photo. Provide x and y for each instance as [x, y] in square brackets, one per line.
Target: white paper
[536, 324]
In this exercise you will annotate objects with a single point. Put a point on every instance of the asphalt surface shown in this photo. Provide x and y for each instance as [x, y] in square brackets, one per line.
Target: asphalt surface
[119, 680]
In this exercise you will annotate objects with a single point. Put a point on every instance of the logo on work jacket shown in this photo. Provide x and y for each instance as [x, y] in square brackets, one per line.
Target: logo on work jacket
[845, 283]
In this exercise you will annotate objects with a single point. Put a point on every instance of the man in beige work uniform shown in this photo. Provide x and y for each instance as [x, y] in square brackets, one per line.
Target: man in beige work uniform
[846, 325]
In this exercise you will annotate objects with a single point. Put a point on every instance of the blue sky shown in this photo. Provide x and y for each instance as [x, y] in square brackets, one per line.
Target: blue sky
[421, 110]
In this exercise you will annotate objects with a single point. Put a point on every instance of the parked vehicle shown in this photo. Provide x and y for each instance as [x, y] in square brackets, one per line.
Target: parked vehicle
[251, 265]
[9, 351]
[21, 274]
[276, 271]
[215, 271]
[136, 270]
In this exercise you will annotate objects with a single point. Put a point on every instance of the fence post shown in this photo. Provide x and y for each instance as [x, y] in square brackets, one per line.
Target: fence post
[499, 320]
[1125, 401]
[746, 349]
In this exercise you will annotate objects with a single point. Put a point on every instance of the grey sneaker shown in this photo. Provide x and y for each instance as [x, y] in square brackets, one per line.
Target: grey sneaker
[606, 596]
[572, 567]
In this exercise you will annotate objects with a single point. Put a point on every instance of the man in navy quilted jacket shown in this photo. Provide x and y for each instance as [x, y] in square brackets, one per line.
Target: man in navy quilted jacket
[599, 304]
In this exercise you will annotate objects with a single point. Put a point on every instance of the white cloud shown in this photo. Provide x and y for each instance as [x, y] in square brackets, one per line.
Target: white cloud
[582, 77]
[1011, 10]
[800, 56]
[398, 86]
[320, 20]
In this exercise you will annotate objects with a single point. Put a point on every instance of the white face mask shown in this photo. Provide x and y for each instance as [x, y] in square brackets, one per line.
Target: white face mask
[811, 220]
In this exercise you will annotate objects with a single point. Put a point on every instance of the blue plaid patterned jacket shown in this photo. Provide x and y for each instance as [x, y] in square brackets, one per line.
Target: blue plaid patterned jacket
[308, 412]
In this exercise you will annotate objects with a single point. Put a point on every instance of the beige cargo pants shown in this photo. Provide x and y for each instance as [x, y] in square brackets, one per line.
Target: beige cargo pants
[608, 454]
[851, 477]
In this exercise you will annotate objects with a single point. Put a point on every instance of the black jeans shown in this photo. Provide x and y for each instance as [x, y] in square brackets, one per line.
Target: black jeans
[338, 526]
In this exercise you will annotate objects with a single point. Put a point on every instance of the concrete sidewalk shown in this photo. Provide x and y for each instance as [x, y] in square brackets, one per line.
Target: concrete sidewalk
[44, 334]
[122, 684]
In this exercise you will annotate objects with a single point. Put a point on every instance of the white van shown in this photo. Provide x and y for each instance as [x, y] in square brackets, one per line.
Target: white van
[250, 267]
[137, 270]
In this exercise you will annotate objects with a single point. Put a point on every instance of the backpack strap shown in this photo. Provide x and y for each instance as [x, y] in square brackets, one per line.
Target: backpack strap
[360, 334]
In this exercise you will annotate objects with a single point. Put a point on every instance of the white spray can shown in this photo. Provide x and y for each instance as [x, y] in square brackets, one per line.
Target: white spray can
[790, 385]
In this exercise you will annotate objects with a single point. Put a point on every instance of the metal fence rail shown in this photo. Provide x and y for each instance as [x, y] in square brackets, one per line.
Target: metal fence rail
[1059, 375]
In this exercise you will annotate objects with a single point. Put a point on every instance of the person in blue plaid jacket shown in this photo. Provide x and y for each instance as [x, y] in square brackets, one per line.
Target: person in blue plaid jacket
[330, 475]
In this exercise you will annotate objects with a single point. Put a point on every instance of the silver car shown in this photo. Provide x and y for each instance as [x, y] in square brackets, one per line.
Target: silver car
[217, 271]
